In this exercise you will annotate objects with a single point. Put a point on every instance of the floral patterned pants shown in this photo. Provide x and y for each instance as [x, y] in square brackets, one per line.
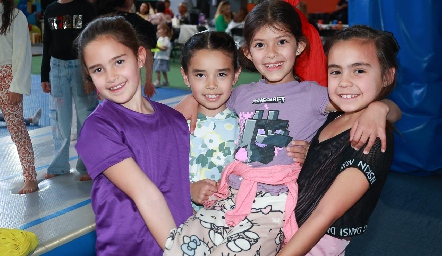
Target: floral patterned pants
[13, 115]
[206, 233]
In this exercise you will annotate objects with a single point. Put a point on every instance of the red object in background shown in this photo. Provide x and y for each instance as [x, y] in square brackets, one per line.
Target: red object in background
[311, 65]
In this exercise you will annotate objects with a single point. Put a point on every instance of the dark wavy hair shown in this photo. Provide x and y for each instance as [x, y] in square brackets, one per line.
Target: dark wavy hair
[7, 16]
[210, 40]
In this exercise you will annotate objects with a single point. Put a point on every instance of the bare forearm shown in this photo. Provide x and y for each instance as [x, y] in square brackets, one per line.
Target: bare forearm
[394, 112]
[306, 237]
[157, 216]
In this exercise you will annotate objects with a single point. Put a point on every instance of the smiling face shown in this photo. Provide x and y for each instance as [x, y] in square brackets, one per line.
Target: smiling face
[273, 51]
[115, 70]
[211, 76]
[354, 75]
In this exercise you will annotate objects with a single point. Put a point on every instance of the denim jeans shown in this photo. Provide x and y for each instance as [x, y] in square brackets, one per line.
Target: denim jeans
[67, 85]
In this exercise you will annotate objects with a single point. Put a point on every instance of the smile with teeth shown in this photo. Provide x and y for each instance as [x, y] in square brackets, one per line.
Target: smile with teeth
[348, 96]
[273, 65]
[116, 87]
[212, 96]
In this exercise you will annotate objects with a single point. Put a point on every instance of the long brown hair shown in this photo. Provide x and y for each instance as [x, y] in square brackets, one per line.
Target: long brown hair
[7, 16]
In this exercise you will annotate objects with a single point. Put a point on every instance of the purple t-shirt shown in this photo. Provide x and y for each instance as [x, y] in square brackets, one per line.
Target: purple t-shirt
[270, 116]
[159, 143]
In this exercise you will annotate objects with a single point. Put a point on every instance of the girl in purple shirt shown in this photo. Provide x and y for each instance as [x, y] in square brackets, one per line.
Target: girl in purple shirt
[139, 192]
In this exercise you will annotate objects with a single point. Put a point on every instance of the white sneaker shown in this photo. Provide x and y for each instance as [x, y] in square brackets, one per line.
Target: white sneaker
[36, 117]
[165, 83]
[156, 83]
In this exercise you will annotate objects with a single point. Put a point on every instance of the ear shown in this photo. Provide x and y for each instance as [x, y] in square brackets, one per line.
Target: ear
[301, 48]
[141, 56]
[185, 77]
[389, 77]
[237, 73]
[246, 52]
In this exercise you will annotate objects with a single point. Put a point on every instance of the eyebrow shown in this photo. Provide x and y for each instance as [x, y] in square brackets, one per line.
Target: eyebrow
[203, 70]
[357, 64]
[111, 60]
[284, 35]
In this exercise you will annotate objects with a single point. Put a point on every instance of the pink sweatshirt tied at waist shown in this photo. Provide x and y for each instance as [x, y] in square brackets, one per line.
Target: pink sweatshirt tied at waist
[273, 175]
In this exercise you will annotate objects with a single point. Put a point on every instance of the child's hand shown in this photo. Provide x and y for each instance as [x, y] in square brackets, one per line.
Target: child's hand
[201, 190]
[297, 149]
[369, 126]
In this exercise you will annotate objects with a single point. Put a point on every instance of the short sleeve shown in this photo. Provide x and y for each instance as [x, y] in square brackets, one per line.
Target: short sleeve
[319, 98]
[101, 145]
[233, 97]
[373, 165]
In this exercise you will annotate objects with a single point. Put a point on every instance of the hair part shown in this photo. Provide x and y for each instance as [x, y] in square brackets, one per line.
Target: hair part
[386, 47]
[116, 28]
[209, 40]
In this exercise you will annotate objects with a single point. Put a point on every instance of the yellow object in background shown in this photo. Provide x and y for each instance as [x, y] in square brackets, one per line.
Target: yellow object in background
[16, 242]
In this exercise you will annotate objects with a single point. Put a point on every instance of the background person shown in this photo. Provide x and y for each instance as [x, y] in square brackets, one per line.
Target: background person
[223, 16]
[161, 58]
[15, 80]
[61, 77]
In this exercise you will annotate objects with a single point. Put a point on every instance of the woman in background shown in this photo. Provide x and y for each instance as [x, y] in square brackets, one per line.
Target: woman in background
[223, 16]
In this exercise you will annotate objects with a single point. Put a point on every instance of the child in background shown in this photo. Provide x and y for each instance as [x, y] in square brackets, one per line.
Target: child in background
[210, 68]
[161, 57]
[15, 80]
[61, 78]
[339, 186]
[253, 210]
[139, 192]
[167, 10]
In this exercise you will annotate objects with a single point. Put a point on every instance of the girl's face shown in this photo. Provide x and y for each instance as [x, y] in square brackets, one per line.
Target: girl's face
[211, 76]
[114, 69]
[273, 52]
[161, 31]
[354, 75]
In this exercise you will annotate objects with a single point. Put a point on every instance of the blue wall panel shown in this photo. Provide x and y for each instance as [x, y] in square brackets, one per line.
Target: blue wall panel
[417, 25]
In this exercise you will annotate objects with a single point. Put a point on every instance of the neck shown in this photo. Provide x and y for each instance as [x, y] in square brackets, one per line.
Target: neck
[64, 1]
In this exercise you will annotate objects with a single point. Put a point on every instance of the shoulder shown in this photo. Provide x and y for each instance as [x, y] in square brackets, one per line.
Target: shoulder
[167, 111]
[18, 16]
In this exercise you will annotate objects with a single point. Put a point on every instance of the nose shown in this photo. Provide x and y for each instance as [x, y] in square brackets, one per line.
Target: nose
[345, 81]
[211, 83]
[111, 76]
[271, 52]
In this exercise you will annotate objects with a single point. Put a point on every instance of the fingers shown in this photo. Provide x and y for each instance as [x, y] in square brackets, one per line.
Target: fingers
[383, 137]
[297, 149]
[201, 190]
[46, 87]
